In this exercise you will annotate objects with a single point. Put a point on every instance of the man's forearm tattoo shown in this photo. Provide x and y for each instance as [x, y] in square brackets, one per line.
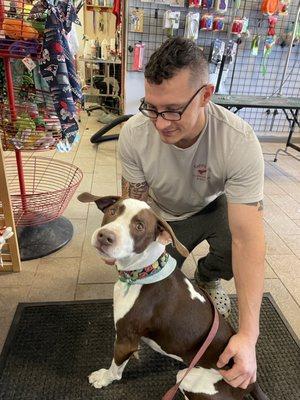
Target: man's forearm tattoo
[258, 204]
[134, 190]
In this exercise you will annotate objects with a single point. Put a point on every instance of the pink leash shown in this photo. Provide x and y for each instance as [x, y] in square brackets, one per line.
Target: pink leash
[212, 333]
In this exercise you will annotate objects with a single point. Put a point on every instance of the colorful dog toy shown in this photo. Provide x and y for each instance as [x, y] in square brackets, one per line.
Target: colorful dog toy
[5, 233]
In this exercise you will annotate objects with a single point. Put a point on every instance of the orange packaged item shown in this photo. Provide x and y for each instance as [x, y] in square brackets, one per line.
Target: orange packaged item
[269, 7]
[19, 29]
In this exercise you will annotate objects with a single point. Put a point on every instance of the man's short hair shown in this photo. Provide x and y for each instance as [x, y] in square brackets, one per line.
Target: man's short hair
[174, 55]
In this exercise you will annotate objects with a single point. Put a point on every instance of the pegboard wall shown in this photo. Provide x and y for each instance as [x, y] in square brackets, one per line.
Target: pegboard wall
[247, 78]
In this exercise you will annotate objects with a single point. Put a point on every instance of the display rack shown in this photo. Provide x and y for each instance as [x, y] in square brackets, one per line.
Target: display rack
[40, 188]
[245, 75]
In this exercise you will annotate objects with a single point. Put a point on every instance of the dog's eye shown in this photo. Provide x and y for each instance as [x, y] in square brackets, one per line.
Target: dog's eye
[139, 226]
[112, 211]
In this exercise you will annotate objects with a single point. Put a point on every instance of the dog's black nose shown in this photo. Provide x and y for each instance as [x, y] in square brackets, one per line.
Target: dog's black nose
[106, 237]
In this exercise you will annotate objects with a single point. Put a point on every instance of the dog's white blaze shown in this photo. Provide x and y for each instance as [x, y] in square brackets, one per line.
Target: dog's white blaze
[121, 228]
[124, 298]
[193, 293]
[156, 347]
[199, 380]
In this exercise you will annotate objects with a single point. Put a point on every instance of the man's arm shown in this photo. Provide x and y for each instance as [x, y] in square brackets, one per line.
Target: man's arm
[248, 254]
[135, 190]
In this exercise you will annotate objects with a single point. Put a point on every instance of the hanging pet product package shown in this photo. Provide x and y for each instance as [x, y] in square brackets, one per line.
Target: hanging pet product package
[191, 30]
[138, 57]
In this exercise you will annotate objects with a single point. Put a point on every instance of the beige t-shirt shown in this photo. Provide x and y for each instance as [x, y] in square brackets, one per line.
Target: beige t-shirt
[227, 157]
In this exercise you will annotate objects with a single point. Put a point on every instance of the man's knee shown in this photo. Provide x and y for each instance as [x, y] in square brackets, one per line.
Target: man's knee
[216, 265]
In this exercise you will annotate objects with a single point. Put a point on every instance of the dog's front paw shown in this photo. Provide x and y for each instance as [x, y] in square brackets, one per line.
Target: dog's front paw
[100, 378]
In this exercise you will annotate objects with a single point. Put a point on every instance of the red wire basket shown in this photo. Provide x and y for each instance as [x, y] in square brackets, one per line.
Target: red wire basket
[33, 125]
[50, 185]
[21, 29]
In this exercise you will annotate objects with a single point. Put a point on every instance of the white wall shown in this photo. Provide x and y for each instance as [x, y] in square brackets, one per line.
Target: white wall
[134, 91]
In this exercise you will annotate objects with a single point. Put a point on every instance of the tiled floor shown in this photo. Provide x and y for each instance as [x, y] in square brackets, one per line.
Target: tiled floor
[76, 272]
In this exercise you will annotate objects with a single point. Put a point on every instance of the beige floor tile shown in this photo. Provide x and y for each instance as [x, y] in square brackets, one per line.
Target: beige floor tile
[285, 302]
[66, 157]
[76, 209]
[56, 279]
[189, 266]
[119, 185]
[23, 278]
[270, 273]
[293, 242]
[5, 324]
[119, 167]
[86, 150]
[287, 266]
[10, 297]
[287, 183]
[94, 270]
[279, 221]
[94, 291]
[288, 205]
[297, 221]
[271, 188]
[94, 221]
[201, 250]
[105, 158]
[104, 174]
[287, 269]
[274, 243]
[109, 145]
[293, 286]
[102, 188]
[86, 164]
[86, 183]
[288, 165]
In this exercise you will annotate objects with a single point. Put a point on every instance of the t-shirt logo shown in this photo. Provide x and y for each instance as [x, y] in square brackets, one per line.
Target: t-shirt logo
[200, 172]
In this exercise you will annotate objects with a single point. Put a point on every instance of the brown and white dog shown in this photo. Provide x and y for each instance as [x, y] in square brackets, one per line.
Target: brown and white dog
[156, 303]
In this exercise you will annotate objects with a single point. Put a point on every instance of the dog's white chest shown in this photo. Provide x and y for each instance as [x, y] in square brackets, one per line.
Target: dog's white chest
[124, 298]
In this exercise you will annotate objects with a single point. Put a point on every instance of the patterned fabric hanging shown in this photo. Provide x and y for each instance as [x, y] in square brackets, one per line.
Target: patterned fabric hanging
[57, 66]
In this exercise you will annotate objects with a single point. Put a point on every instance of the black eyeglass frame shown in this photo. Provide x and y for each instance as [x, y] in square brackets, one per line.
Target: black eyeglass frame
[141, 109]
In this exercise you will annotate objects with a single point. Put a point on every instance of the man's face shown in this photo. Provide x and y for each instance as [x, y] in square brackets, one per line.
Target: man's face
[173, 95]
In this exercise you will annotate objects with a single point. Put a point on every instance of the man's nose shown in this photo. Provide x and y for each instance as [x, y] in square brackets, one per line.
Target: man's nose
[161, 123]
[106, 237]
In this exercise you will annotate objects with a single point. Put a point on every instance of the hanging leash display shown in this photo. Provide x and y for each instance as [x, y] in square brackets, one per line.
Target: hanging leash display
[171, 21]
[256, 38]
[207, 4]
[221, 6]
[206, 22]
[239, 26]
[269, 42]
[194, 3]
[218, 24]
[191, 30]
[136, 20]
[138, 56]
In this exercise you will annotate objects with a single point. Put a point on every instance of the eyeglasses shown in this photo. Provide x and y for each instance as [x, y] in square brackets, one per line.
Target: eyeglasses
[167, 115]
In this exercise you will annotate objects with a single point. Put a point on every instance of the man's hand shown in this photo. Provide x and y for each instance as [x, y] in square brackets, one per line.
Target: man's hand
[242, 349]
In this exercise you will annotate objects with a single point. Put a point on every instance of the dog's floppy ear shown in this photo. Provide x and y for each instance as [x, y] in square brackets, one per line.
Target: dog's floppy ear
[101, 202]
[166, 235]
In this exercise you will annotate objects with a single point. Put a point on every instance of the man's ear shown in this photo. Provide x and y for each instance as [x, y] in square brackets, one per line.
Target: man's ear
[166, 236]
[101, 202]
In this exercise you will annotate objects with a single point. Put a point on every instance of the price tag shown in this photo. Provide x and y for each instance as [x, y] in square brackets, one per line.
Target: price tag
[29, 63]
